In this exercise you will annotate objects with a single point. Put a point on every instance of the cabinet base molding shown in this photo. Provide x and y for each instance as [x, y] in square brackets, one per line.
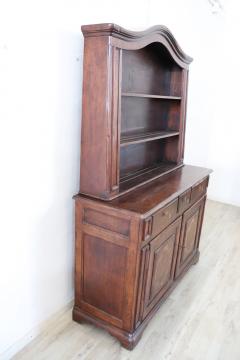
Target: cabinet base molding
[129, 339]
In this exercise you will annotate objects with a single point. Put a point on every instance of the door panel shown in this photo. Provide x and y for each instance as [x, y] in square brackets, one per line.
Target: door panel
[108, 273]
[190, 235]
[162, 261]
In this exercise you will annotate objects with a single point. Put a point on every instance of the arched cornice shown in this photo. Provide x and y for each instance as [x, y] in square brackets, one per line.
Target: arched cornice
[158, 33]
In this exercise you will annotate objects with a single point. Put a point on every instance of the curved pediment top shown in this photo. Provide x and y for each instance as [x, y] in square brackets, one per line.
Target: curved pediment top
[151, 34]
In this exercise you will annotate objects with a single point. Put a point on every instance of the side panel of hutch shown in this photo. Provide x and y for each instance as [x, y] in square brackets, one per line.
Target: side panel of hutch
[99, 145]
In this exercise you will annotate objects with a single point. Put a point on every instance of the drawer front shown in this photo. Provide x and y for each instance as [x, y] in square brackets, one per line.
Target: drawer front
[184, 201]
[157, 222]
[164, 217]
[199, 190]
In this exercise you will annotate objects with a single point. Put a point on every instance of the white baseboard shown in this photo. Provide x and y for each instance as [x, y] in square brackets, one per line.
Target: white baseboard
[36, 331]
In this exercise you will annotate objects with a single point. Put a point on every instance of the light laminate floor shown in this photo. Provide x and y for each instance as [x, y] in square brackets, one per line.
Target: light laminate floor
[199, 321]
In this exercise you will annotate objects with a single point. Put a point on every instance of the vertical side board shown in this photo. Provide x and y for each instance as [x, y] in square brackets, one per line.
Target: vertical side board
[99, 118]
[107, 263]
[183, 114]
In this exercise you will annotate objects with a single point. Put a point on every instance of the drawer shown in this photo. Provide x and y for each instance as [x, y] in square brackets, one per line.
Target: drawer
[184, 201]
[199, 189]
[164, 217]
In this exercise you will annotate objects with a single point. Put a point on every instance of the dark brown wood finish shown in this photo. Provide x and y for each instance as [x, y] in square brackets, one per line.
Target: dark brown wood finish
[134, 91]
[141, 115]
[190, 236]
[162, 191]
[162, 260]
[151, 70]
[139, 212]
[130, 252]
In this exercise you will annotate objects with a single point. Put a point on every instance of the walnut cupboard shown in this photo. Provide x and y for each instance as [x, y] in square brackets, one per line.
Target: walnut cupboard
[139, 211]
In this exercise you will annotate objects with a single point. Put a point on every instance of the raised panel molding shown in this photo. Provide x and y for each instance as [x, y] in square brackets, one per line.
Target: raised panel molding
[162, 261]
[103, 284]
[190, 235]
[163, 258]
[108, 222]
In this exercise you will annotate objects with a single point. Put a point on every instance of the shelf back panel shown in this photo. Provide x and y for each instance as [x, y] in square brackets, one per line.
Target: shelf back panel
[144, 156]
[151, 70]
[140, 115]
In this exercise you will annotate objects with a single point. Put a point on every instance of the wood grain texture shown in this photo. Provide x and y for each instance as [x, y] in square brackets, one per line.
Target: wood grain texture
[139, 67]
[106, 264]
[134, 137]
[111, 223]
[133, 84]
[151, 96]
[190, 235]
[107, 273]
[96, 55]
[126, 275]
[140, 209]
[162, 261]
[158, 193]
[158, 33]
[143, 115]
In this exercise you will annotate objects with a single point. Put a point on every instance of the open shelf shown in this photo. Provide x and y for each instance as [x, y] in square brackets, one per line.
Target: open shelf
[151, 96]
[149, 116]
[139, 159]
[135, 138]
[151, 70]
[148, 110]
[143, 176]
[151, 103]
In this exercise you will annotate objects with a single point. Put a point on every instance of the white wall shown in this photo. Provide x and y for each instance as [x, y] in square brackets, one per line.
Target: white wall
[210, 35]
[40, 89]
[41, 48]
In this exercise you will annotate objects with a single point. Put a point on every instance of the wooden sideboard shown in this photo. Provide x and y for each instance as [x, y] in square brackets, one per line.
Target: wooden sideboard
[132, 251]
[139, 210]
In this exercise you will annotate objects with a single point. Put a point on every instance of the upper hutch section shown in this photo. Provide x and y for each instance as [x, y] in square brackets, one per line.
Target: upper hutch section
[134, 108]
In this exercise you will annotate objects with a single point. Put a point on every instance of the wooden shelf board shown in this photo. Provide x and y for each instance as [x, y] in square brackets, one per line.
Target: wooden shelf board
[130, 181]
[151, 96]
[148, 136]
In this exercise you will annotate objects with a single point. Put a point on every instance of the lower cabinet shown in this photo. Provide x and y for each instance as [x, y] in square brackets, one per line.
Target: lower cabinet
[127, 262]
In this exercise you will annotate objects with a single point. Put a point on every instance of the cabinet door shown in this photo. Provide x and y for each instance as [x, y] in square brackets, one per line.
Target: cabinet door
[190, 235]
[161, 265]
